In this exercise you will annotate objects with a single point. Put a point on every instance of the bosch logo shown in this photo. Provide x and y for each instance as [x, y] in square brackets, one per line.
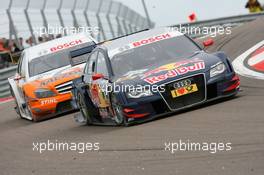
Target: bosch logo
[181, 84]
[152, 40]
[66, 45]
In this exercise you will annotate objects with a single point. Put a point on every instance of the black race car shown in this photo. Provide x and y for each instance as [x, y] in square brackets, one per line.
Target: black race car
[148, 74]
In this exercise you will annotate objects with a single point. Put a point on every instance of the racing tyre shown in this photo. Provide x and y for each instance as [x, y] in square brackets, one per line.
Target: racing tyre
[83, 108]
[119, 117]
[29, 113]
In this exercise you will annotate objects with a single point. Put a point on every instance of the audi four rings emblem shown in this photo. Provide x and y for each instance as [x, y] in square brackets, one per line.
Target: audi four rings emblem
[182, 84]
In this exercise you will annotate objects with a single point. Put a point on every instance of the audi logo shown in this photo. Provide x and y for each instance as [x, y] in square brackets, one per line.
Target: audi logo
[181, 84]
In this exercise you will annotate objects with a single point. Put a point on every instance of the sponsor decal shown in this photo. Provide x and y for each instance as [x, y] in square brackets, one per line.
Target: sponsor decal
[95, 94]
[66, 45]
[143, 42]
[251, 63]
[184, 91]
[77, 72]
[152, 40]
[131, 75]
[43, 52]
[172, 66]
[48, 101]
[173, 70]
[61, 45]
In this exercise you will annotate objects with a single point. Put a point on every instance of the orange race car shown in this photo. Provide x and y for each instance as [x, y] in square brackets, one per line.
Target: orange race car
[43, 82]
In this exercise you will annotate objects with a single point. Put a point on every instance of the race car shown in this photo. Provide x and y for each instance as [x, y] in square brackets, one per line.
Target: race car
[149, 74]
[43, 82]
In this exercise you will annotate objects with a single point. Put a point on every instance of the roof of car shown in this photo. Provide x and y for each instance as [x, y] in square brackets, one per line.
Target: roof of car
[145, 35]
[56, 45]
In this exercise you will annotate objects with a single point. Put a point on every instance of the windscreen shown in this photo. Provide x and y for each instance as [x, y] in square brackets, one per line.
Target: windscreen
[150, 54]
[48, 62]
[74, 56]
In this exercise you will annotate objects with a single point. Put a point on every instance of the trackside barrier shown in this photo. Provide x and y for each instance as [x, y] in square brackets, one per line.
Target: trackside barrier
[4, 75]
[231, 21]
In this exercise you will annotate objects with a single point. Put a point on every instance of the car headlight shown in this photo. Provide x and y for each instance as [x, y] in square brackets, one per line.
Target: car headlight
[139, 92]
[44, 93]
[217, 69]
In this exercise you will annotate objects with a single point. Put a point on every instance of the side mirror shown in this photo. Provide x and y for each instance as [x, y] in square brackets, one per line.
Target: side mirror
[208, 42]
[82, 77]
[97, 76]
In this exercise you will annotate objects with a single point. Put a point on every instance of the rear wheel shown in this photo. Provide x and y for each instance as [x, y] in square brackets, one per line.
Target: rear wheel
[84, 110]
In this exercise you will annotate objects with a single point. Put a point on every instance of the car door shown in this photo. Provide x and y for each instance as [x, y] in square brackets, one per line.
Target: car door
[21, 76]
[87, 77]
[90, 68]
[100, 85]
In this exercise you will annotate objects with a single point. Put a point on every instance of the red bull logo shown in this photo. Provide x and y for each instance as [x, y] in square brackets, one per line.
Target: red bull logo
[171, 66]
[173, 70]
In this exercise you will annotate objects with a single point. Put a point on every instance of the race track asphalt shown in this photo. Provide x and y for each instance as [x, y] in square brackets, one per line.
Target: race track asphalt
[140, 149]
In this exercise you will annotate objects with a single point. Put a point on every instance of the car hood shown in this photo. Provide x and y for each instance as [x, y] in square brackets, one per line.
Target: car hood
[166, 71]
[56, 77]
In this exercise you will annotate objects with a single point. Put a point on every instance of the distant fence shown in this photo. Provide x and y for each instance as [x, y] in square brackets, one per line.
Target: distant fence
[28, 18]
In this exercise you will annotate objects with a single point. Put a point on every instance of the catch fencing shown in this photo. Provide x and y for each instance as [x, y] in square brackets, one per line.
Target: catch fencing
[4, 75]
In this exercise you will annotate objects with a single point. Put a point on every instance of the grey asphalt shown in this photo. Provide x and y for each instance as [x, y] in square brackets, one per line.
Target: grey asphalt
[140, 149]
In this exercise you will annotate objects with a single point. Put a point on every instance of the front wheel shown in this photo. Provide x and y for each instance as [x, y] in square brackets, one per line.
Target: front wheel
[84, 110]
[16, 107]
[119, 117]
